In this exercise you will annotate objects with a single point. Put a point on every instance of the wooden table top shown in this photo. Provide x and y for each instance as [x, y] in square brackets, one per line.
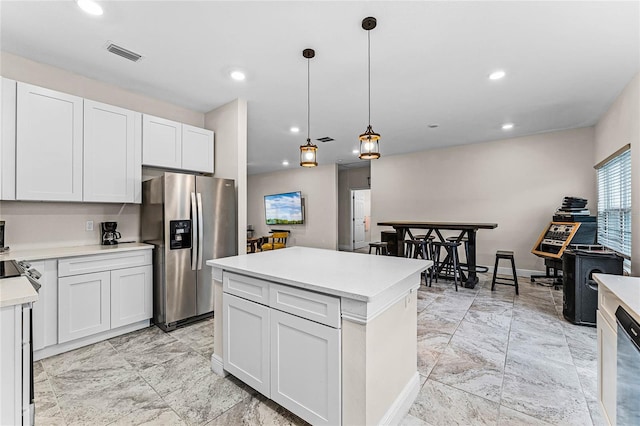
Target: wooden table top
[438, 225]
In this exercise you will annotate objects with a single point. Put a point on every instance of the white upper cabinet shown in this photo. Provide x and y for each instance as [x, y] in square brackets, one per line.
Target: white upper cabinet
[48, 145]
[197, 149]
[7, 139]
[112, 153]
[174, 145]
[162, 142]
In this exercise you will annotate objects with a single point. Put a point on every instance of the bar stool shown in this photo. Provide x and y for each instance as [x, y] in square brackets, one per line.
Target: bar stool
[421, 248]
[465, 241]
[381, 247]
[505, 254]
[450, 262]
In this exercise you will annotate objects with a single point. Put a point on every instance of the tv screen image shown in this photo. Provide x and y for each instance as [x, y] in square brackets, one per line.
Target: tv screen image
[283, 209]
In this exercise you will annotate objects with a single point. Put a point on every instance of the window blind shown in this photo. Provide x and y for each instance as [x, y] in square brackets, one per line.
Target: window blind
[614, 205]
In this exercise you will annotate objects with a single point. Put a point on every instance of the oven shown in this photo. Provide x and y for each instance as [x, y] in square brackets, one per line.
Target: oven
[628, 369]
[10, 269]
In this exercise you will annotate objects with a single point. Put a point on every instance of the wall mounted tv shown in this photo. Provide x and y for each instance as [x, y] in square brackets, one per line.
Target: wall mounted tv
[284, 209]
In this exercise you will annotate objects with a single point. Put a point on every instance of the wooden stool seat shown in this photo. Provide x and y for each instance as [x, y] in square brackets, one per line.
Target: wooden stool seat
[381, 247]
[507, 255]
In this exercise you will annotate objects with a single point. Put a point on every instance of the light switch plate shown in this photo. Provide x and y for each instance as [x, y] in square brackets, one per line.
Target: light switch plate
[89, 226]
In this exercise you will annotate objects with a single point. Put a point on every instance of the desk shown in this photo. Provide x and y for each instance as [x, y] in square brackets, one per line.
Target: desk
[404, 227]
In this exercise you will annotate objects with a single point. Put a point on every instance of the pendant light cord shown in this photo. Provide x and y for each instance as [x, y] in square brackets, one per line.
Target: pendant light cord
[308, 101]
[369, 70]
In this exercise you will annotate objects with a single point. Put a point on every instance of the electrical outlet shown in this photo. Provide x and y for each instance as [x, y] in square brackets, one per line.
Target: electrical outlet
[89, 226]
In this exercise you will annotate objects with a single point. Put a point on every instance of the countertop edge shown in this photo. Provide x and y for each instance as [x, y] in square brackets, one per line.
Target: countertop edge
[620, 287]
[16, 291]
[71, 251]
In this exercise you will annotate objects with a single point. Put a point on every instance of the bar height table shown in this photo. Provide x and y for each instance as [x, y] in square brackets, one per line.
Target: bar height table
[403, 227]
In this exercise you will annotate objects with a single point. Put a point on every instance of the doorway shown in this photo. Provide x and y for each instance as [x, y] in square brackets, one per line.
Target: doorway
[360, 218]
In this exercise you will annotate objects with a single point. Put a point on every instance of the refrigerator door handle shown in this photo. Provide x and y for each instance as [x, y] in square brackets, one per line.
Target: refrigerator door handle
[200, 231]
[195, 231]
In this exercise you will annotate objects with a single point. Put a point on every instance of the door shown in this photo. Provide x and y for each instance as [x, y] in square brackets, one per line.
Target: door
[311, 393]
[246, 341]
[161, 142]
[83, 305]
[131, 295]
[358, 218]
[197, 149]
[49, 145]
[112, 153]
[219, 236]
[180, 263]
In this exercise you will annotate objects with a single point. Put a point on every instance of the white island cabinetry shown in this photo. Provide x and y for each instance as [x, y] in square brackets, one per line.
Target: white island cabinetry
[299, 325]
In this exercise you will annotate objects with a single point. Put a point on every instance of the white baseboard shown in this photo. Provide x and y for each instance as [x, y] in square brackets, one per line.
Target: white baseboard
[217, 365]
[400, 407]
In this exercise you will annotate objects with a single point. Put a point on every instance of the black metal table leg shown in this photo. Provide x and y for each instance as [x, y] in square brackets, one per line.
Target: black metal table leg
[472, 279]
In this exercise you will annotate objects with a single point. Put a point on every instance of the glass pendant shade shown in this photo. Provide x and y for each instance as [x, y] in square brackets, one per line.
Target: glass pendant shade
[308, 154]
[369, 145]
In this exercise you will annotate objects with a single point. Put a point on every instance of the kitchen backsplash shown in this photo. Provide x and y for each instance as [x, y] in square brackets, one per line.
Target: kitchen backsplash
[42, 225]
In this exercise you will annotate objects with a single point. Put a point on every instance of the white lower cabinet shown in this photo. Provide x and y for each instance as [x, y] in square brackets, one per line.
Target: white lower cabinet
[84, 306]
[246, 341]
[45, 310]
[115, 290]
[131, 295]
[607, 367]
[305, 368]
[289, 358]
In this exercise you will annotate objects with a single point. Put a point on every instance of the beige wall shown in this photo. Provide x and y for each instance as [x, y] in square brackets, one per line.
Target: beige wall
[517, 183]
[230, 125]
[349, 179]
[319, 190]
[618, 127]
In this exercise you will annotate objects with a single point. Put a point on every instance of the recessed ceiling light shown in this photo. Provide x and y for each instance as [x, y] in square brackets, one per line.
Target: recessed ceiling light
[238, 75]
[90, 6]
[356, 151]
[507, 126]
[285, 163]
[295, 129]
[497, 75]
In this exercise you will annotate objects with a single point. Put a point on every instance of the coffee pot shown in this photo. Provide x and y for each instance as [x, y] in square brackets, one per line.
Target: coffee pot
[109, 234]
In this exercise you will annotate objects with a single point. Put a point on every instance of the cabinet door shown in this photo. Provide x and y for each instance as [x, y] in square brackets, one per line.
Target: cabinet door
[48, 145]
[607, 367]
[197, 149]
[83, 305]
[7, 139]
[131, 295]
[112, 153]
[246, 341]
[45, 310]
[161, 142]
[305, 368]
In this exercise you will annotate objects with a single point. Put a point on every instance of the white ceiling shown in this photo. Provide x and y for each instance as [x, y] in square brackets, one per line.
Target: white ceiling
[565, 61]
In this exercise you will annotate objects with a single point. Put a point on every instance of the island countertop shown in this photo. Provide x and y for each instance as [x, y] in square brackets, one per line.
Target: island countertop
[16, 291]
[352, 275]
[627, 289]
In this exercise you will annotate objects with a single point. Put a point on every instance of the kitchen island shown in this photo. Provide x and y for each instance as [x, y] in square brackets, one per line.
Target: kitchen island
[329, 335]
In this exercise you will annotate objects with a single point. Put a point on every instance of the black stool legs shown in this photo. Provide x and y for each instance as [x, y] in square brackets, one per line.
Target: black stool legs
[508, 255]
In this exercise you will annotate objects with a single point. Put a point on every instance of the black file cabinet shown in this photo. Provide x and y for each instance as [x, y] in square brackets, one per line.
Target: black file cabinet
[580, 290]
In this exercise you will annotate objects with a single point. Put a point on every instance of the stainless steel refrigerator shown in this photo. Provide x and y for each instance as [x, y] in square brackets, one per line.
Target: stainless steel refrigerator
[189, 219]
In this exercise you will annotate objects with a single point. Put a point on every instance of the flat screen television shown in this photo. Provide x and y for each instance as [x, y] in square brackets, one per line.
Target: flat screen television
[284, 209]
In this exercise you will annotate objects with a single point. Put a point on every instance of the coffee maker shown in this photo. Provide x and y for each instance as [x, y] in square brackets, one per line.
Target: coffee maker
[109, 234]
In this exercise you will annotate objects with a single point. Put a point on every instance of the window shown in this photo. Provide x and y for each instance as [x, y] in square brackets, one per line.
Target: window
[614, 204]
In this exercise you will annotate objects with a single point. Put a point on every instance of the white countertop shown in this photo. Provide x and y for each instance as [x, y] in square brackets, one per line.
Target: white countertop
[352, 275]
[60, 252]
[627, 289]
[16, 291]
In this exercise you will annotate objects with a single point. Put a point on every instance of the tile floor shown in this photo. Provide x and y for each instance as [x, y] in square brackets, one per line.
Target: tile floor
[484, 358]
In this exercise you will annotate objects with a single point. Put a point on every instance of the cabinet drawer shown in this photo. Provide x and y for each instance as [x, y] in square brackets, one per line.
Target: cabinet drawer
[306, 304]
[246, 287]
[103, 262]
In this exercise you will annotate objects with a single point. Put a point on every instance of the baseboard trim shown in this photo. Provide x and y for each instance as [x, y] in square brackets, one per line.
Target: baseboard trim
[217, 365]
[400, 407]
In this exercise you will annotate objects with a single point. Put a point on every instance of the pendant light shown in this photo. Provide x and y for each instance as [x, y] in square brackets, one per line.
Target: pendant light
[308, 152]
[369, 140]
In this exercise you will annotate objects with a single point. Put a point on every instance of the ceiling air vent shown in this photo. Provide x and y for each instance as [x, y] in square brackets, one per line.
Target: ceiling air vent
[121, 51]
[325, 139]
